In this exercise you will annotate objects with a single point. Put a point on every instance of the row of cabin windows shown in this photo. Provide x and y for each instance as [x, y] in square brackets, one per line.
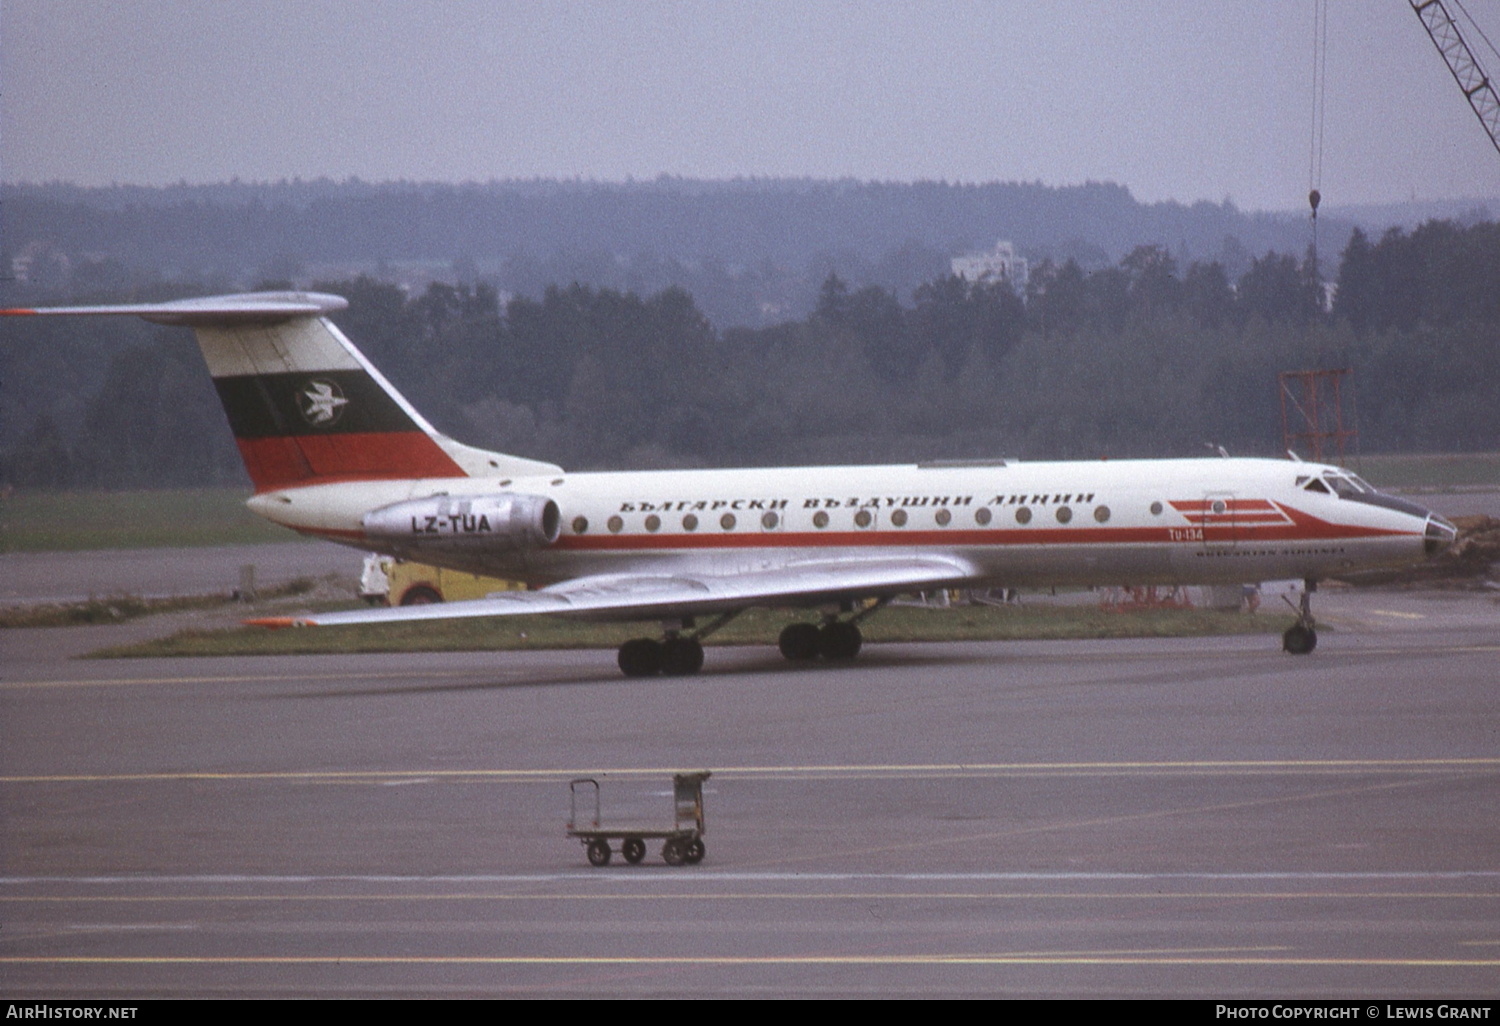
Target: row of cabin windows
[862, 518]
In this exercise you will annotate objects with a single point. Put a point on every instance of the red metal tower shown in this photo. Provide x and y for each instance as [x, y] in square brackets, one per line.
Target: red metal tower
[1312, 413]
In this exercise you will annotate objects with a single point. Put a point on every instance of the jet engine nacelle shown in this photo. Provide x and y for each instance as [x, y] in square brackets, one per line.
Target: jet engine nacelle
[504, 520]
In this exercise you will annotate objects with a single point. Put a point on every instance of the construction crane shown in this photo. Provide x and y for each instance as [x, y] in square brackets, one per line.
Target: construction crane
[1466, 70]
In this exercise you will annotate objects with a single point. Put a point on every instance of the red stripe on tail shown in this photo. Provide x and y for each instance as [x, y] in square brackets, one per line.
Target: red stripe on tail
[286, 462]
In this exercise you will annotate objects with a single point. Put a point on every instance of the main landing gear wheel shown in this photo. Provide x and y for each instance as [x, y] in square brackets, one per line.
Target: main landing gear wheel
[839, 640]
[681, 657]
[799, 642]
[634, 849]
[641, 658]
[675, 657]
[599, 853]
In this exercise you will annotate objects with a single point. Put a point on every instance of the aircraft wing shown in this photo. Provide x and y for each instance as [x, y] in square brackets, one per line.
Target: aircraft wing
[667, 596]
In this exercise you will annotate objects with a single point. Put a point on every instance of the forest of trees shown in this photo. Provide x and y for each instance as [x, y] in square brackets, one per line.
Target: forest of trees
[1140, 358]
[752, 252]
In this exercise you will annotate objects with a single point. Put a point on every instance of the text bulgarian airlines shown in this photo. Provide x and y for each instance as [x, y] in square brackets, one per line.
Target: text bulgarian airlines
[874, 502]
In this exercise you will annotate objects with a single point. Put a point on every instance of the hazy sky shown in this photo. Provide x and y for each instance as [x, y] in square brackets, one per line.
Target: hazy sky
[1176, 99]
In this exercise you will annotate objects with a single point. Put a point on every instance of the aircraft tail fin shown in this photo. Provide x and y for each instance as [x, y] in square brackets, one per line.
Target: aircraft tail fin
[304, 404]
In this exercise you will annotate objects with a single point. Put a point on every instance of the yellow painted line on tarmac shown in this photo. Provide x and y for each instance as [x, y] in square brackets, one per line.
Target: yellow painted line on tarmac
[834, 770]
[1403, 616]
[677, 896]
[1209, 957]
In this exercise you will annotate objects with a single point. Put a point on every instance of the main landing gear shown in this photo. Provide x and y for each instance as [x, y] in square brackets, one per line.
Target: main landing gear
[676, 655]
[835, 640]
[680, 654]
[1302, 637]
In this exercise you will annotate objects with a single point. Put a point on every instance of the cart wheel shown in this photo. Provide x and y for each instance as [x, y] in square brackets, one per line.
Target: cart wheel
[693, 851]
[634, 849]
[672, 853]
[599, 853]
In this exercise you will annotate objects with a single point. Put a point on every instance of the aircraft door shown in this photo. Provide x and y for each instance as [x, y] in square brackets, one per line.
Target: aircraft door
[1220, 527]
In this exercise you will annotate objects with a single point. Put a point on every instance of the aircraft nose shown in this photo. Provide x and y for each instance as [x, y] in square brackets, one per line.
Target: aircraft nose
[1439, 535]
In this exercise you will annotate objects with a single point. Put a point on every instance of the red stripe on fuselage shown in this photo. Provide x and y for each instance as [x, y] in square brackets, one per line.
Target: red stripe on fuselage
[1228, 519]
[1307, 530]
[290, 461]
[1207, 505]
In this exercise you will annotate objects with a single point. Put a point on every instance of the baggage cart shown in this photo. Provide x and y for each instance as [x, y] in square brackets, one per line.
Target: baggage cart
[682, 843]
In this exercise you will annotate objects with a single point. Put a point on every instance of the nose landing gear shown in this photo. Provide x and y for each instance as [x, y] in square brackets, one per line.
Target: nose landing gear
[1302, 637]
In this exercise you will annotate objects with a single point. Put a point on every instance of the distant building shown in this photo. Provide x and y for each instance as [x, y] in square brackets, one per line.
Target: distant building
[1001, 264]
[40, 263]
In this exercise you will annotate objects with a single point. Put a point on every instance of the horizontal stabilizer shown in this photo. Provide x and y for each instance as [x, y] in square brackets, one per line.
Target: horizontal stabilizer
[209, 311]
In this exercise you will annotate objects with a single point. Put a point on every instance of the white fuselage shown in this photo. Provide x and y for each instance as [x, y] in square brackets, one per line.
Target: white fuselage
[1015, 524]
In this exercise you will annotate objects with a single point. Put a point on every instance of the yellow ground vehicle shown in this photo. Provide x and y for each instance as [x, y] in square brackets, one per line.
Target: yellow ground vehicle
[392, 582]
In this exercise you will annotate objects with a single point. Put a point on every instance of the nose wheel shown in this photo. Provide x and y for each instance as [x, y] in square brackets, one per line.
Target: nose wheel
[1302, 637]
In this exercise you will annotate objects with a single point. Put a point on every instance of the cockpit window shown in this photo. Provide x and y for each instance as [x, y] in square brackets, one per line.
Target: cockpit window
[1316, 485]
[1347, 486]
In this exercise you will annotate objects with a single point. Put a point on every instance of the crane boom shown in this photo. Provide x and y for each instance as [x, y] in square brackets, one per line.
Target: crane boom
[1466, 70]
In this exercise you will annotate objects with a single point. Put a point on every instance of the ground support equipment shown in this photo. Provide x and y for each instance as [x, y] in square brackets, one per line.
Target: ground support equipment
[682, 843]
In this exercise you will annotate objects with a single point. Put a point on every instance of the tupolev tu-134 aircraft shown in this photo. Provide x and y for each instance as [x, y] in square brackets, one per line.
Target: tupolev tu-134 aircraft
[335, 451]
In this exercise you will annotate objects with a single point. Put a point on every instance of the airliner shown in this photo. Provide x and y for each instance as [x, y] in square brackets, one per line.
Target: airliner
[334, 451]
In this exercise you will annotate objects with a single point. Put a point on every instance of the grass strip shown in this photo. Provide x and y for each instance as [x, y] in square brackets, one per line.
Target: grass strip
[755, 627]
[1431, 472]
[176, 518]
[119, 608]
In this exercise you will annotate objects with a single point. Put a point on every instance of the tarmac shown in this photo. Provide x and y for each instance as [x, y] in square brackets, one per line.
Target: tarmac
[1202, 817]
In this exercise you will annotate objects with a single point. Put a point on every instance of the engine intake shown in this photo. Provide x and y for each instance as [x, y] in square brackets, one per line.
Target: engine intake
[504, 520]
